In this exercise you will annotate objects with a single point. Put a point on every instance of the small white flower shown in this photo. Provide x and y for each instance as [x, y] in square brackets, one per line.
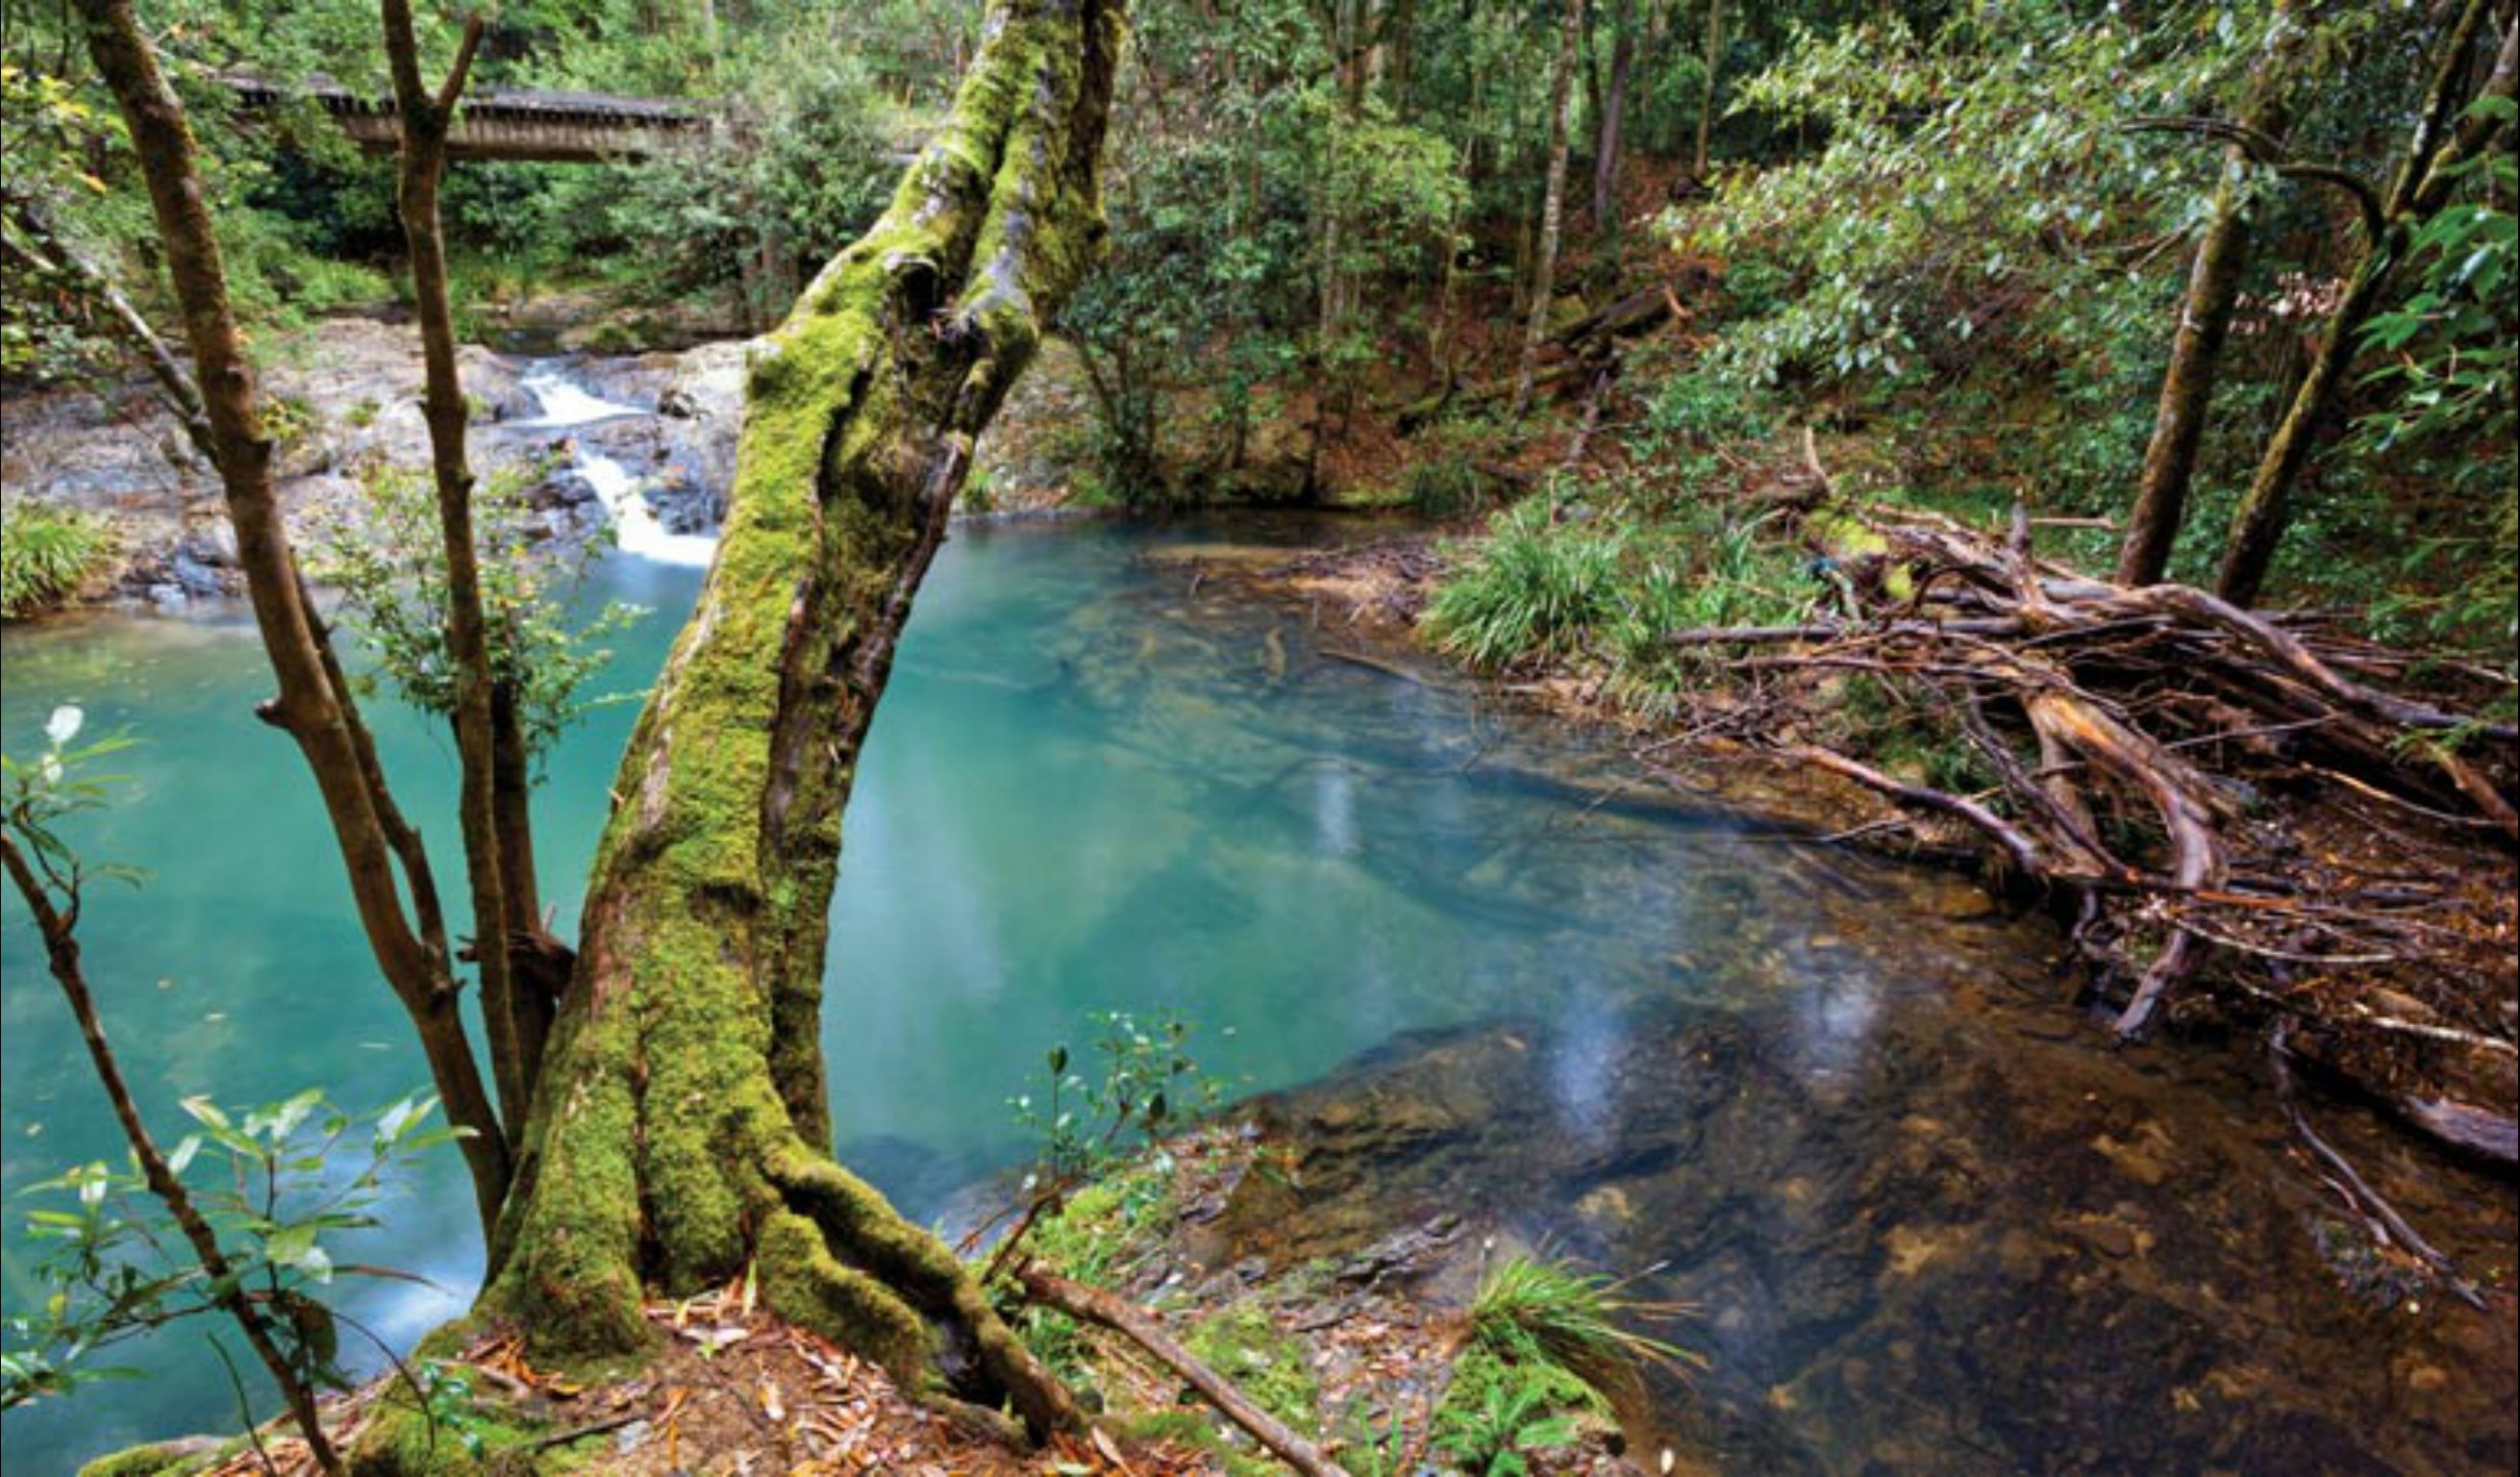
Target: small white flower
[64, 725]
[51, 768]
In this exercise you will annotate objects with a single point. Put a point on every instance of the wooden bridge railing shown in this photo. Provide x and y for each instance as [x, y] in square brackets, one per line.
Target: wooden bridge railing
[503, 123]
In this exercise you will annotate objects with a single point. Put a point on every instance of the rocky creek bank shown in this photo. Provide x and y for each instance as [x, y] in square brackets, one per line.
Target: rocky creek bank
[347, 398]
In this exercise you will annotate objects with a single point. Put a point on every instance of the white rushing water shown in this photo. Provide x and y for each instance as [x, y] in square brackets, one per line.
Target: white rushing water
[635, 528]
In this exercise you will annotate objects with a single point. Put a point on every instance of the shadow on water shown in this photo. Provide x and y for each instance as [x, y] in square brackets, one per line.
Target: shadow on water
[1933, 1227]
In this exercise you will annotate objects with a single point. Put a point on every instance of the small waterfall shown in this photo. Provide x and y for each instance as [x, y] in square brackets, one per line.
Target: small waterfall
[636, 530]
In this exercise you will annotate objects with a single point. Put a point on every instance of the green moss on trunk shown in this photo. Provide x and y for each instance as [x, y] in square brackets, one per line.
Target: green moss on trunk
[681, 1128]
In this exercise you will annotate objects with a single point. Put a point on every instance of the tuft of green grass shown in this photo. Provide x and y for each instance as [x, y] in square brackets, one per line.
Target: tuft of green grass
[1611, 586]
[1528, 1310]
[1444, 487]
[1533, 587]
[45, 552]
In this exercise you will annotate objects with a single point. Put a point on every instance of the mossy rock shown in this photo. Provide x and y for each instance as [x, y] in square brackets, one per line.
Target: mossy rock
[401, 1440]
[160, 1458]
[1192, 1427]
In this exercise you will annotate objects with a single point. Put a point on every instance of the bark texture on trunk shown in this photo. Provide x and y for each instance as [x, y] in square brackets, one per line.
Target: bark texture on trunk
[1553, 206]
[2204, 324]
[681, 1130]
[1706, 95]
[425, 119]
[1614, 116]
[380, 854]
[2445, 134]
[2187, 384]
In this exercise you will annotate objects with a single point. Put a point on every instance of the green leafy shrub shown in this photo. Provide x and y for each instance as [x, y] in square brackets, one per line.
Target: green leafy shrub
[1708, 409]
[1495, 1414]
[282, 1184]
[45, 553]
[1147, 1083]
[391, 567]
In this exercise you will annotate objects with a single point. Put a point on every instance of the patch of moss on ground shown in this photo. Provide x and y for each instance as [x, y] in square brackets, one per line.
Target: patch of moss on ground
[402, 1441]
[161, 1458]
[1110, 1225]
[1194, 1427]
[1270, 1364]
[1100, 1232]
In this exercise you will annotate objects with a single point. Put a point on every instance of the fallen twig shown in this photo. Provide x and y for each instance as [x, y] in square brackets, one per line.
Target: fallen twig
[1095, 1306]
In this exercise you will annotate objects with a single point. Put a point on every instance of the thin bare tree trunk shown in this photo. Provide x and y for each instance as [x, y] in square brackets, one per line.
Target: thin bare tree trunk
[1553, 206]
[425, 119]
[313, 704]
[538, 965]
[2204, 323]
[2447, 134]
[1614, 114]
[1706, 95]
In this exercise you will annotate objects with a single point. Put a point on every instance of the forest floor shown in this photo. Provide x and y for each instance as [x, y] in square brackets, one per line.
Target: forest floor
[1355, 1353]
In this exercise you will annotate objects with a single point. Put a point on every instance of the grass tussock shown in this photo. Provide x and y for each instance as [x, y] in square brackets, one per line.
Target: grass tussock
[46, 553]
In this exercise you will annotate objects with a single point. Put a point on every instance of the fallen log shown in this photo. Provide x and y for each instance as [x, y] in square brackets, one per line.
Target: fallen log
[2389, 1226]
[2017, 846]
[1638, 312]
[1103, 1309]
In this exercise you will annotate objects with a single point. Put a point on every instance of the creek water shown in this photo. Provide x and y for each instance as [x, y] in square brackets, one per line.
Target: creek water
[636, 529]
[1931, 1229]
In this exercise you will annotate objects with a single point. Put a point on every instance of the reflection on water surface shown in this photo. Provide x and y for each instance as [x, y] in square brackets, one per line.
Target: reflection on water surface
[1932, 1232]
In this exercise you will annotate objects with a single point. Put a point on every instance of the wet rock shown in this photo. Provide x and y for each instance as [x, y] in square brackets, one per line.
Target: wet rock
[501, 397]
[347, 396]
[196, 579]
[1027, 455]
[212, 543]
[2110, 1239]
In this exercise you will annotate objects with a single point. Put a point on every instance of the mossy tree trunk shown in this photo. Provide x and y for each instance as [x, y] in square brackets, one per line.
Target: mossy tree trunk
[680, 1133]
[2204, 324]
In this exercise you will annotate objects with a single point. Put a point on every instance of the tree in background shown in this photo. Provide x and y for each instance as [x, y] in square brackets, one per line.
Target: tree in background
[2461, 114]
[1544, 272]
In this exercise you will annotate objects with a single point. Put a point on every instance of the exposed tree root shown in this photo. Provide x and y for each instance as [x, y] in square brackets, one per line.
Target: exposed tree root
[2161, 762]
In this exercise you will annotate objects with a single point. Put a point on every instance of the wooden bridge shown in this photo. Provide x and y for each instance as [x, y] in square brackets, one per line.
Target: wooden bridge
[502, 123]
